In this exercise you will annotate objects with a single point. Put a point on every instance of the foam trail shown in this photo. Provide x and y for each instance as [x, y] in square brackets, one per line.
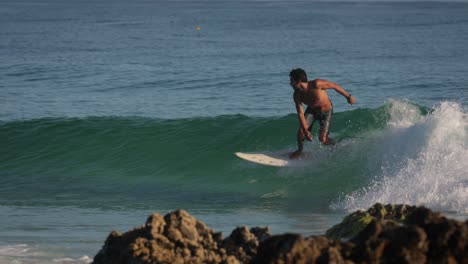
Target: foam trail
[22, 253]
[424, 161]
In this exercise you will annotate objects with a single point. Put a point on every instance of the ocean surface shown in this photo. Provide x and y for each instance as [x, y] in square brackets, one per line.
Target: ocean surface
[112, 110]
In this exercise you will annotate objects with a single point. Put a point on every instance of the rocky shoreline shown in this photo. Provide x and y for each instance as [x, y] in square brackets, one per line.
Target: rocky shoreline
[383, 233]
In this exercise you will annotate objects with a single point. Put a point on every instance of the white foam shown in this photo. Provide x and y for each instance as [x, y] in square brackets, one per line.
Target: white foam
[403, 114]
[277, 193]
[25, 254]
[17, 254]
[84, 259]
[424, 161]
[15, 250]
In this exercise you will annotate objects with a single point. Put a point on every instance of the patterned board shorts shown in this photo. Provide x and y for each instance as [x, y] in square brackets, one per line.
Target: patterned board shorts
[324, 119]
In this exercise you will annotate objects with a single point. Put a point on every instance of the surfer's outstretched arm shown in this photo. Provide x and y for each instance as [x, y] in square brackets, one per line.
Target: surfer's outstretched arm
[323, 84]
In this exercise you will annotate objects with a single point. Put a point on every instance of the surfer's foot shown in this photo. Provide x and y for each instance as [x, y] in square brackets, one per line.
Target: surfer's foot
[296, 154]
[325, 140]
[329, 141]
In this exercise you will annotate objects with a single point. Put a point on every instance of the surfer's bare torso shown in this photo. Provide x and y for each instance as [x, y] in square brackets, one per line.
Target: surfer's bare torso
[314, 97]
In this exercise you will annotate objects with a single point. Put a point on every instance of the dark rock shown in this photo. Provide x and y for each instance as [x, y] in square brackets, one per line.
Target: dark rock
[287, 248]
[447, 238]
[357, 221]
[384, 241]
[243, 243]
[175, 238]
[382, 234]
[350, 226]
[293, 248]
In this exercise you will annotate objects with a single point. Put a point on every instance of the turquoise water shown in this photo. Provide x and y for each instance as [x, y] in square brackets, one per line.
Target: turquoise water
[112, 110]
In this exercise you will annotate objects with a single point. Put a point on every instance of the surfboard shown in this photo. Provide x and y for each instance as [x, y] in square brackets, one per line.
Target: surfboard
[276, 160]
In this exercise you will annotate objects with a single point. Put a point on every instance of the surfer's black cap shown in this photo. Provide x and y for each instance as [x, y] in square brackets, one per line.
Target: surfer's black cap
[298, 75]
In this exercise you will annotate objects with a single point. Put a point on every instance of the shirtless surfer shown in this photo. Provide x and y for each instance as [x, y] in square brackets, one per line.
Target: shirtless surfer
[319, 107]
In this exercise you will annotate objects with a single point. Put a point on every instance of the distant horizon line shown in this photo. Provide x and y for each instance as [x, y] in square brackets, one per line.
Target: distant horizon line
[322, 1]
[367, 1]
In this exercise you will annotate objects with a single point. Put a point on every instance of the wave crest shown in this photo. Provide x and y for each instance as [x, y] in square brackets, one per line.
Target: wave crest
[424, 161]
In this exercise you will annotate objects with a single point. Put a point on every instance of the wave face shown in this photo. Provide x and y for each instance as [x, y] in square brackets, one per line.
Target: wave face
[397, 153]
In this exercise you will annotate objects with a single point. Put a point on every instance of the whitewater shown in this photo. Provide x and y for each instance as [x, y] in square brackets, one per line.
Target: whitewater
[423, 158]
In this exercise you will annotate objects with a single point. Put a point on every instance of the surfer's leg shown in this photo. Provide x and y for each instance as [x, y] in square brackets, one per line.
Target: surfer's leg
[300, 139]
[310, 119]
[325, 124]
[300, 144]
[325, 140]
[301, 136]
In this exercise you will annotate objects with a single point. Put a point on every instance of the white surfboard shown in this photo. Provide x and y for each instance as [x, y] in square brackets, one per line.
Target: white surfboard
[264, 159]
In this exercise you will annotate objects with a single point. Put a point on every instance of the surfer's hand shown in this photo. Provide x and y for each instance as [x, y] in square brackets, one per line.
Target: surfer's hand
[308, 135]
[351, 100]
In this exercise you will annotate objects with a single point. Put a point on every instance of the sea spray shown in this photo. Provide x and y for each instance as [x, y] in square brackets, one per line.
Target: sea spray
[425, 161]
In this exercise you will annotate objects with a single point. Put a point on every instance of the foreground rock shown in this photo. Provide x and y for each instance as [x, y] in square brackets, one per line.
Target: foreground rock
[180, 238]
[384, 233]
[357, 221]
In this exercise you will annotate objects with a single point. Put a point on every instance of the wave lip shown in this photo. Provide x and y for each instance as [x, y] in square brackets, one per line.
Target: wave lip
[426, 161]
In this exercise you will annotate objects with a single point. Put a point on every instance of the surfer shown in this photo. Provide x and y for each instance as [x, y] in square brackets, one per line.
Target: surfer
[319, 107]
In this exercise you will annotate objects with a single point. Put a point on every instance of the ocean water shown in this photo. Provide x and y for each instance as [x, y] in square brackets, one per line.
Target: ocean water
[111, 110]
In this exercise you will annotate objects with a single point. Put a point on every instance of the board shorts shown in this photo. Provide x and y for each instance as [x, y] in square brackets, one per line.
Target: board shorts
[324, 119]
